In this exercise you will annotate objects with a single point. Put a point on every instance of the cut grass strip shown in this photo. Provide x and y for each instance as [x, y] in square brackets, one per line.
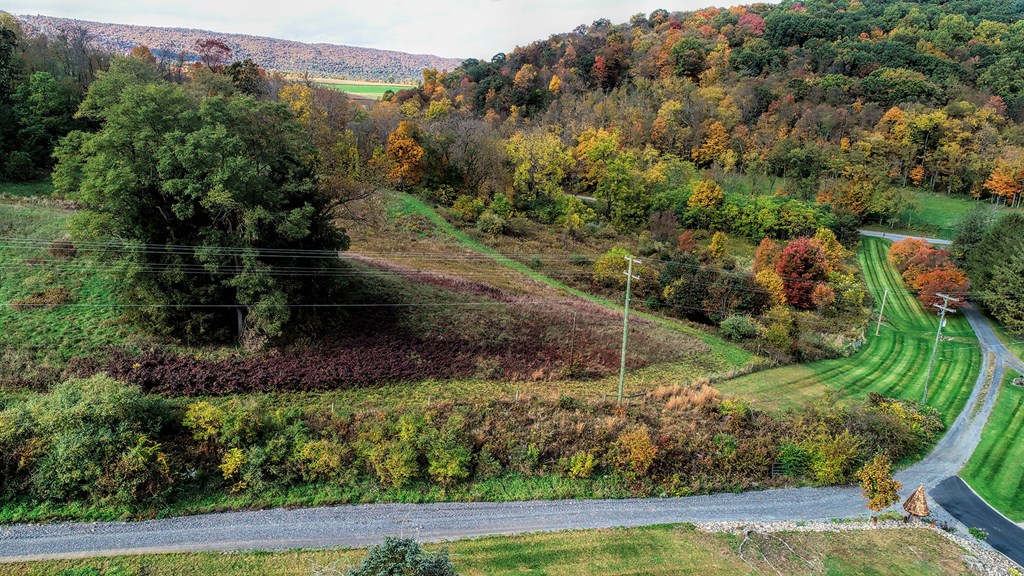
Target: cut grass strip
[403, 203]
[652, 550]
[994, 470]
[893, 364]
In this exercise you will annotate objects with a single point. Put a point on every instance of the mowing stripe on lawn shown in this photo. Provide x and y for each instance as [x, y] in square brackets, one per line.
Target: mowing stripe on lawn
[994, 470]
[894, 363]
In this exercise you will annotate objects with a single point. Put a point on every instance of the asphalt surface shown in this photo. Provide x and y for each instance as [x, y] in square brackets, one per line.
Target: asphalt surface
[363, 525]
[898, 237]
[962, 503]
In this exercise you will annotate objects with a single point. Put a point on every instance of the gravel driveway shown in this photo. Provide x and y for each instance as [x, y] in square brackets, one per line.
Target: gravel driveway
[367, 524]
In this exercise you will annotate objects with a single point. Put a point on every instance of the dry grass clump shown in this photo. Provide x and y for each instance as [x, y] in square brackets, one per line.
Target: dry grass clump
[696, 395]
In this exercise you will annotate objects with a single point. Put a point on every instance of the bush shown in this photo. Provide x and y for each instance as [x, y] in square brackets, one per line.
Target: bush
[490, 223]
[794, 459]
[448, 459]
[739, 327]
[833, 456]
[321, 460]
[581, 465]
[403, 557]
[734, 407]
[98, 429]
[610, 268]
[978, 533]
[468, 208]
[636, 452]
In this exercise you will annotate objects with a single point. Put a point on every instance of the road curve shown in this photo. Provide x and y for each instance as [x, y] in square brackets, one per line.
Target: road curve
[965, 505]
[363, 525]
[898, 237]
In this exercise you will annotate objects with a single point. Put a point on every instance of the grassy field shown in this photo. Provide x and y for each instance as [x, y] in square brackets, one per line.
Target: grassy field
[893, 363]
[42, 188]
[730, 354]
[995, 471]
[368, 90]
[936, 215]
[50, 335]
[656, 550]
[1014, 343]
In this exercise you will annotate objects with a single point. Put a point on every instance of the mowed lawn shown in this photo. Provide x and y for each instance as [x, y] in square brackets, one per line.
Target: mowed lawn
[995, 471]
[655, 550]
[937, 215]
[370, 90]
[894, 363]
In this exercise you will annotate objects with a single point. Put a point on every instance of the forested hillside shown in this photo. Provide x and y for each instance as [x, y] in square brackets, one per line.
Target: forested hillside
[331, 60]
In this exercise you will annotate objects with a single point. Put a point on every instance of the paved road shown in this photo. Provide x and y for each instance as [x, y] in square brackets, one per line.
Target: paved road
[898, 237]
[958, 499]
[367, 524]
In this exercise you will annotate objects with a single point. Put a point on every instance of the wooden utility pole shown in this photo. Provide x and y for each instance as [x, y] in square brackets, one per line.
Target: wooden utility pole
[625, 323]
[943, 308]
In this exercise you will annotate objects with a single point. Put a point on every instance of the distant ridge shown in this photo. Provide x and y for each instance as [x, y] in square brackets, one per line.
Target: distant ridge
[330, 60]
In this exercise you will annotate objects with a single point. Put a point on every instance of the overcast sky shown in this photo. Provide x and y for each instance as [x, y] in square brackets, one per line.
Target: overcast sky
[454, 28]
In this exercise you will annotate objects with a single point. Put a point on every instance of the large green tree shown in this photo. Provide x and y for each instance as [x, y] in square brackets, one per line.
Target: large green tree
[210, 202]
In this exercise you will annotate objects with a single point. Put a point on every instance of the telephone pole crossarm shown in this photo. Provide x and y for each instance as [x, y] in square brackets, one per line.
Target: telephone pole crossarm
[625, 322]
[943, 309]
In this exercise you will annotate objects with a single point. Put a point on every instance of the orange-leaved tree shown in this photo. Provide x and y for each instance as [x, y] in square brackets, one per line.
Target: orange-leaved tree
[878, 485]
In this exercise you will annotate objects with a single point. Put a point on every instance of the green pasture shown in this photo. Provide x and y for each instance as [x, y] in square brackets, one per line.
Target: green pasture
[994, 470]
[894, 363]
[652, 551]
[371, 90]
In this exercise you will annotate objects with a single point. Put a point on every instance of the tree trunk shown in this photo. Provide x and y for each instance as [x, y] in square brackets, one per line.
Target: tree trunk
[241, 323]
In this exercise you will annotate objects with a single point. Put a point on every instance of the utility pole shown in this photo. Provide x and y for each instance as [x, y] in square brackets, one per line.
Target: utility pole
[880, 310]
[943, 308]
[625, 322]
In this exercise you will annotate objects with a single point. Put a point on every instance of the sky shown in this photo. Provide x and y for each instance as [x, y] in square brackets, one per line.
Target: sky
[452, 28]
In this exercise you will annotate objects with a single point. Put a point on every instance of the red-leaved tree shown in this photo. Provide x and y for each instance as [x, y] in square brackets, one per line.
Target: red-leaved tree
[802, 267]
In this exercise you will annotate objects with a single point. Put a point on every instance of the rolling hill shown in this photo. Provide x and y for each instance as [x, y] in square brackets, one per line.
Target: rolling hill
[331, 60]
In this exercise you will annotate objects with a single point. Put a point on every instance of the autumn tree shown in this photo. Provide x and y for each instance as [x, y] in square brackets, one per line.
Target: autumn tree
[766, 255]
[877, 484]
[540, 163]
[714, 145]
[406, 153]
[214, 53]
[801, 266]
[210, 193]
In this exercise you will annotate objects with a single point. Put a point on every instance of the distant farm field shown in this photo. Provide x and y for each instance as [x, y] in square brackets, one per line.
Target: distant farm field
[994, 471]
[364, 89]
[894, 363]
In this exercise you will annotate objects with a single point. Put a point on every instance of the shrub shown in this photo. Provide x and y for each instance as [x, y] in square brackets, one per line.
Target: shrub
[87, 427]
[467, 208]
[739, 327]
[231, 466]
[734, 407]
[794, 459]
[204, 419]
[140, 475]
[321, 459]
[978, 533]
[833, 456]
[636, 452]
[487, 466]
[394, 557]
[581, 465]
[448, 459]
[490, 223]
[610, 268]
